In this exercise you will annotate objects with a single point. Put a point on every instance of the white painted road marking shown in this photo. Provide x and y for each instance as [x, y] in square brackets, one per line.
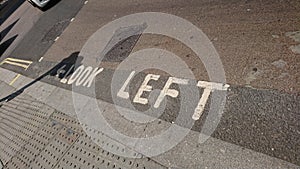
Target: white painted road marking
[208, 88]
[145, 88]
[84, 76]
[41, 59]
[170, 92]
[122, 93]
[201, 105]
[64, 79]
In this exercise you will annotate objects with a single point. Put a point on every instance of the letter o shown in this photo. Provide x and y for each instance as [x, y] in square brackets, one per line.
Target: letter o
[84, 75]
[76, 74]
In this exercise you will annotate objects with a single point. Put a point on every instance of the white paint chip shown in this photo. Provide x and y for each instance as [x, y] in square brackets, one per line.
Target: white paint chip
[41, 59]
[56, 39]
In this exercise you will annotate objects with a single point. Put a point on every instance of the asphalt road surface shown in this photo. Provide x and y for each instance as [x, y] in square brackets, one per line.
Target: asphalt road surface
[258, 43]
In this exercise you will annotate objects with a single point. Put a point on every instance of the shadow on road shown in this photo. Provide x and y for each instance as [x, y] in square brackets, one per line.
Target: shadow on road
[59, 70]
[7, 43]
[5, 31]
[10, 7]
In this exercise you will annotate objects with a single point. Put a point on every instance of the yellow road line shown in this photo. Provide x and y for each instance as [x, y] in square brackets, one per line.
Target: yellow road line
[17, 62]
[14, 80]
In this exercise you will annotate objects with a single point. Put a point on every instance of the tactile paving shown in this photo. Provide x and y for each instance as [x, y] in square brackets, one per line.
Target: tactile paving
[111, 145]
[55, 150]
[38, 142]
[35, 136]
[68, 121]
[21, 118]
